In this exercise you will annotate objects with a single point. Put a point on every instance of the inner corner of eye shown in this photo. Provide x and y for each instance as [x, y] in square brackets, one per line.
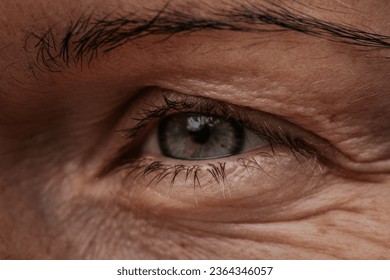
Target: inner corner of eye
[199, 136]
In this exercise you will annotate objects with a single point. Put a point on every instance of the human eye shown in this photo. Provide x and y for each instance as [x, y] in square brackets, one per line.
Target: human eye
[200, 153]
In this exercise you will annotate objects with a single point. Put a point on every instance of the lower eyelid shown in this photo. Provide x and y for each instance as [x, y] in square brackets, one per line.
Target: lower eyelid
[220, 182]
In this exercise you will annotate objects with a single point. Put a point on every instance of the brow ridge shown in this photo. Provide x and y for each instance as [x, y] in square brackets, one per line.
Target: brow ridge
[86, 37]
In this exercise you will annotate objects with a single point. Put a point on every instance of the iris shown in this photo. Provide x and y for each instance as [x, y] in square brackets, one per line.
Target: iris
[191, 136]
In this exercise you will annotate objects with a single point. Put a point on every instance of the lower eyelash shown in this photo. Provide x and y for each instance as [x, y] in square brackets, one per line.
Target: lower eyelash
[251, 162]
[143, 168]
[160, 171]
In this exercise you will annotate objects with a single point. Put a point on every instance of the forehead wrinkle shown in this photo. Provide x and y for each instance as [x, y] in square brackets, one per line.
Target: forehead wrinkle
[90, 35]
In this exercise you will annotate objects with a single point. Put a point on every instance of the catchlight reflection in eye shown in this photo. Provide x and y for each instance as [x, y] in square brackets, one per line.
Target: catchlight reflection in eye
[190, 136]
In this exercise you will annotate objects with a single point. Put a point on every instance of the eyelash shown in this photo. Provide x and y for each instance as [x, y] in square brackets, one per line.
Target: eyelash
[130, 160]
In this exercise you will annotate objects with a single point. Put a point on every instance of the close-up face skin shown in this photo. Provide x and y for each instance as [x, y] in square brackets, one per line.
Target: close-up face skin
[182, 129]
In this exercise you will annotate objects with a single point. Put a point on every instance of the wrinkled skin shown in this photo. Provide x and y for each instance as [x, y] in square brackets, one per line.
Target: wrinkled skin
[59, 129]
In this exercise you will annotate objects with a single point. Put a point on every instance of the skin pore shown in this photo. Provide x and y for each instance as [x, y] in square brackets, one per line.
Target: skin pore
[84, 86]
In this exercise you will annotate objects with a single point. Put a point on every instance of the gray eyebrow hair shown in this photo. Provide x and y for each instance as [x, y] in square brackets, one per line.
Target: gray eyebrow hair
[85, 38]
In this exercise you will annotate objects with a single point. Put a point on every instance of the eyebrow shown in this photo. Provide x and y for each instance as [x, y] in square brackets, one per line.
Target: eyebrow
[86, 37]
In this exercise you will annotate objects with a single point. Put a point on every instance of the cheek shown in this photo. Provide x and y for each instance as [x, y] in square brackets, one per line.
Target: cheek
[24, 231]
[340, 220]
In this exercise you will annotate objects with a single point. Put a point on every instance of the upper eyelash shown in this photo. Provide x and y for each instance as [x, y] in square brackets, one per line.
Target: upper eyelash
[273, 137]
[157, 112]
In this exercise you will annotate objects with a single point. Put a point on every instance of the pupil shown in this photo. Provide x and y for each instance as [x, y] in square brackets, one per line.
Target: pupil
[201, 136]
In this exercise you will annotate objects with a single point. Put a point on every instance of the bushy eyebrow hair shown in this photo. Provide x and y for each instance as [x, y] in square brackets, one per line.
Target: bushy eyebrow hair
[86, 37]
